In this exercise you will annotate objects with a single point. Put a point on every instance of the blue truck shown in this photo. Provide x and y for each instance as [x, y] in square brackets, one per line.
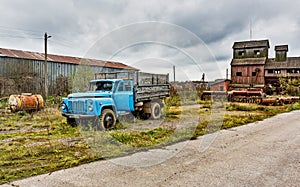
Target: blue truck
[112, 95]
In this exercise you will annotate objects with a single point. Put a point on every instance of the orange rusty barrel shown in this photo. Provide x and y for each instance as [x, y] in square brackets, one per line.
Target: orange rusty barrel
[269, 101]
[25, 101]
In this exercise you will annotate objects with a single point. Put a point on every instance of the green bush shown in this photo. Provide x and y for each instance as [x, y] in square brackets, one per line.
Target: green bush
[53, 100]
[173, 101]
[295, 106]
[243, 107]
[3, 104]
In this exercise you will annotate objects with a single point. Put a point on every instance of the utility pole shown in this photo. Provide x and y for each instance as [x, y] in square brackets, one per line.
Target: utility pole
[46, 66]
[174, 72]
[226, 73]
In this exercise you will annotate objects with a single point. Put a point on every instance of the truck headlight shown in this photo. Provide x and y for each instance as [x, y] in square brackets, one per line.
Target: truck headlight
[90, 108]
[63, 106]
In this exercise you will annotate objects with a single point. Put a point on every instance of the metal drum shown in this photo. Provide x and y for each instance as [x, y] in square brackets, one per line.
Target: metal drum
[25, 101]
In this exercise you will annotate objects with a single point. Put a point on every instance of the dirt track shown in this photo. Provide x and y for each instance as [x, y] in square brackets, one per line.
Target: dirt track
[260, 154]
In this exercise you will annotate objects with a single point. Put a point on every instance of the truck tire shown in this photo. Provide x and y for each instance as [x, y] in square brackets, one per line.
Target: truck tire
[108, 119]
[71, 122]
[156, 110]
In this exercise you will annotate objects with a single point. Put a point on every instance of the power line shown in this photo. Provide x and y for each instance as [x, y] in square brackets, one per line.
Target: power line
[59, 43]
[18, 36]
[19, 33]
[8, 32]
[62, 41]
[29, 32]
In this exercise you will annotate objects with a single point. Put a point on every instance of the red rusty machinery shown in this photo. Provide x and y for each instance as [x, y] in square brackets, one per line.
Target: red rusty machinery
[249, 96]
[246, 96]
[214, 95]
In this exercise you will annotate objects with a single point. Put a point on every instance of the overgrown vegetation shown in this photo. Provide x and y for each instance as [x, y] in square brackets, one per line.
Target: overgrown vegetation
[42, 142]
[37, 143]
[143, 138]
[289, 86]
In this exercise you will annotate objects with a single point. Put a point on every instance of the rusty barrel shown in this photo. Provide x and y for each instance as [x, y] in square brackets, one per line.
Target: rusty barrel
[269, 101]
[25, 101]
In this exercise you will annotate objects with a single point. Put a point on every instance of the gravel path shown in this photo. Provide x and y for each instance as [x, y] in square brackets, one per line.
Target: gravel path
[264, 153]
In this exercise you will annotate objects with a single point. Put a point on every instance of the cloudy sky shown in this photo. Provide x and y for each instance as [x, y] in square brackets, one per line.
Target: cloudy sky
[195, 36]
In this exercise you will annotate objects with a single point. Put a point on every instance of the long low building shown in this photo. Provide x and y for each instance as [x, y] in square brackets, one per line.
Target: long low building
[24, 71]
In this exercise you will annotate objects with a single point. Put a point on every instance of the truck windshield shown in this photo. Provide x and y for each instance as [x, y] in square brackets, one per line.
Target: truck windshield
[100, 86]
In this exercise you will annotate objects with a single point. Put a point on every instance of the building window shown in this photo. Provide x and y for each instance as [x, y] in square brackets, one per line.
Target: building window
[241, 53]
[221, 88]
[254, 73]
[238, 74]
[274, 71]
[277, 71]
[257, 52]
[293, 71]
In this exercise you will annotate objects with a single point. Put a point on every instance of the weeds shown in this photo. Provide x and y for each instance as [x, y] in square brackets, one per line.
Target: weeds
[42, 142]
[295, 106]
[143, 139]
[36, 144]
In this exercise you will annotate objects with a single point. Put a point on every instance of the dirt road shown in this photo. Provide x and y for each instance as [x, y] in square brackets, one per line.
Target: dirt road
[265, 153]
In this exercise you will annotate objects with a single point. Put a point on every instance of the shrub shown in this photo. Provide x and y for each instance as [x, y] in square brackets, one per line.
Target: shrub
[295, 106]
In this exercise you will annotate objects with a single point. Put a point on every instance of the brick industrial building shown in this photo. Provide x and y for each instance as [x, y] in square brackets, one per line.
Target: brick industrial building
[252, 68]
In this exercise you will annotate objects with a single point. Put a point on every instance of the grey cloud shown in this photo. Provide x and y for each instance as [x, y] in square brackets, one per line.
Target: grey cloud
[77, 25]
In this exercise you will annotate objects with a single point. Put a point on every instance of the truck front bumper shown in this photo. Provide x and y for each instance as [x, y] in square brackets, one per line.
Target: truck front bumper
[78, 116]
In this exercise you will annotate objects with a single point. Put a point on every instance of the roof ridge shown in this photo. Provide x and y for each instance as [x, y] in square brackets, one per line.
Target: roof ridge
[16, 53]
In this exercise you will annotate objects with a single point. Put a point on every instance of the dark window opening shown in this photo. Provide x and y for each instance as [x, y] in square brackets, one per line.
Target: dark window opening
[277, 71]
[254, 73]
[257, 52]
[270, 71]
[238, 74]
[241, 53]
[100, 86]
[294, 71]
[124, 87]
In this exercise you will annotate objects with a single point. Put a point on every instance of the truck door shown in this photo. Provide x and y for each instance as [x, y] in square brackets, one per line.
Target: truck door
[123, 96]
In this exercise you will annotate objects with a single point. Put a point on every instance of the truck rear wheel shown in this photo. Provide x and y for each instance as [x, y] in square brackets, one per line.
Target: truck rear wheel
[156, 110]
[108, 119]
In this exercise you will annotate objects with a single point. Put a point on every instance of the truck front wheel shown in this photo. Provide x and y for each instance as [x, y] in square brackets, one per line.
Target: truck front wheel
[72, 122]
[108, 119]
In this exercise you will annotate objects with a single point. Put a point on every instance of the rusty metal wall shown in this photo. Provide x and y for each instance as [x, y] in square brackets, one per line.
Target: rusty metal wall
[19, 75]
[247, 77]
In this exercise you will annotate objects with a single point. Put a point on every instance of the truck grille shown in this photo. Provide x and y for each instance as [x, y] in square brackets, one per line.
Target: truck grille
[78, 107]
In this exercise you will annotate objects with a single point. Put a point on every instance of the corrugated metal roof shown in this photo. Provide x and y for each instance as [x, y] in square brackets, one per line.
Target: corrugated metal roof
[64, 59]
[251, 44]
[218, 81]
[291, 62]
[249, 61]
[281, 48]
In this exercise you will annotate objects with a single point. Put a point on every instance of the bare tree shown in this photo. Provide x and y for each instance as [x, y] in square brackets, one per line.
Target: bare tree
[83, 75]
